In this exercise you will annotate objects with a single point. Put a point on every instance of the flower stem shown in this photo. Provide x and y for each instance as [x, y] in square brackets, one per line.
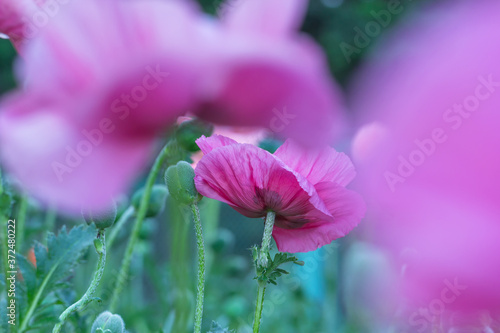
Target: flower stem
[21, 220]
[87, 297]
[141, 214]
[266, 238]
[263, 261]
[259, 306]
[201, 268]
[49, 223]
[1, 182]
[128, 213]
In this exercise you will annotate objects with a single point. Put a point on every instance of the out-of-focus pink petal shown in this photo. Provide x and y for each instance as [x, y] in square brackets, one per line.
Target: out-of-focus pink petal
[433, 184]
[272, 93]
[271, 18]
[215, 141]
[346, 207]
[317, 165]
[61, 163]
[368, 142]
[140, 49]
[253, 181]
[257, 80]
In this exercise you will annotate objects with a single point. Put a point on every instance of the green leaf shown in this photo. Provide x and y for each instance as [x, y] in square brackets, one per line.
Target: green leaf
[272, 272]
[54, 264]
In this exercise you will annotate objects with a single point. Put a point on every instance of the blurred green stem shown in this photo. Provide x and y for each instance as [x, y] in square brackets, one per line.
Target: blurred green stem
[100, 245]
[50, 220]
[141, 214]
[21, 220]
[201, 268]
[1, 182]
[180, 259]
[263, 262]
[127, 214]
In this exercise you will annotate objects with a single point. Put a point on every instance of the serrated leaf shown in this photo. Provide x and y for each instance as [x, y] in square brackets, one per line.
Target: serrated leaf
[271, 271]
[55, 263]
[28, 273]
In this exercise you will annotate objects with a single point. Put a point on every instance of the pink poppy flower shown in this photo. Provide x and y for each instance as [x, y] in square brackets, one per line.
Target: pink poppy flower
[306, 189]
[268, 75]
[431, 178]
[102, 81]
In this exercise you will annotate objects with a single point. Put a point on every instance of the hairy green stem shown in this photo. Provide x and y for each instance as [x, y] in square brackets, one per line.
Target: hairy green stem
[141, 214]
[201, 268]
[88, 296]
[263, 261]
[259, 306]
[266, 238]
[127, 214]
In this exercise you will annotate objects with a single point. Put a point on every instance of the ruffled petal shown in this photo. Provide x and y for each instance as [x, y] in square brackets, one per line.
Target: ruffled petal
[215, 141]
[346, 207]
[271, 18]
[253, 181]
[317, 165]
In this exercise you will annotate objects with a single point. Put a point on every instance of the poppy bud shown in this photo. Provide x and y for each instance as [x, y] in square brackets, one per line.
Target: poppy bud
[109, 323]
[180, 182]
[156, 200]
[189, 131]
[102, 219]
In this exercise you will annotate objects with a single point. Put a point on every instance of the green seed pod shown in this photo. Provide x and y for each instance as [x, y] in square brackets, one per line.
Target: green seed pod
[108, 323]
[180, 182]
[102, 219]
[156, 200]
[189, 131]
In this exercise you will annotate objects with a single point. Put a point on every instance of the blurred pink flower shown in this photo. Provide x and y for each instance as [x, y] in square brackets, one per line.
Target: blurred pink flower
[306, 189]
[430, 169]
[102, 80]
[266, 74]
